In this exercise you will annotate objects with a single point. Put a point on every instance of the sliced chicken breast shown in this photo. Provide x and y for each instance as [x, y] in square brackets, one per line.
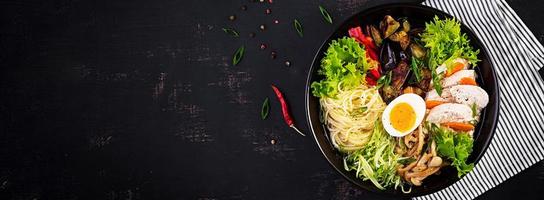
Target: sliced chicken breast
[457, 76]
[445, 97]
[469, 95]
[450, 112]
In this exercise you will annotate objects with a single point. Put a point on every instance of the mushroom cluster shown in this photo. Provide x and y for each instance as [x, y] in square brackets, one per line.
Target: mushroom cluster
[421, 151]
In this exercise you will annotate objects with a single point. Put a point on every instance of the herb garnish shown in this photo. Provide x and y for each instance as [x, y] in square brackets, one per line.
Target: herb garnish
[385, 80]
[416, 68]
[405, 161]
[325, 14]
[474, 109]
[437, 81]
[238, 55]
[231, 32]
[265, 108]
[298, 27]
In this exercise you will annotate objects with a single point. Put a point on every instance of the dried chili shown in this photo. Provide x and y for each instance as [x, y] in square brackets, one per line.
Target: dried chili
[285, 110]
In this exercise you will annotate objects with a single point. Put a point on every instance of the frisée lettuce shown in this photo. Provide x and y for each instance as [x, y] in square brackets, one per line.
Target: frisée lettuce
[344, 65]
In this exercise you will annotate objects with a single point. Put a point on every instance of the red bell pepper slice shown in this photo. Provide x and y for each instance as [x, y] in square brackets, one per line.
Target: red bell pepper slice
[357, 34]
[370, 81]
[375, 73]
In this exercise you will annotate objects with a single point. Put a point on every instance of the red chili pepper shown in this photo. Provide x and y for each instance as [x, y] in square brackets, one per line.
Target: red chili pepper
[285, 110]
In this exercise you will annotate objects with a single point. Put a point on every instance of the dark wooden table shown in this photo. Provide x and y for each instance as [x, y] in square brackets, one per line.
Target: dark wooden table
[138, 100]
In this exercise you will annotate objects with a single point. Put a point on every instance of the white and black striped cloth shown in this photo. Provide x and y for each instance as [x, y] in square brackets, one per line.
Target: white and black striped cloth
[517, 56]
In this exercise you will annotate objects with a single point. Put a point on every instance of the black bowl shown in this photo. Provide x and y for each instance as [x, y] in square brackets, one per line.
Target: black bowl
[417, 15]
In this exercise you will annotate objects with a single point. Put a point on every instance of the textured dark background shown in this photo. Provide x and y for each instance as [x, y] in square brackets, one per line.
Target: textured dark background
[137, 99]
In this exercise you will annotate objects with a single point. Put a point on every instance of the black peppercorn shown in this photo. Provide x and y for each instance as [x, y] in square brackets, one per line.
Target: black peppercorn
[273, 55]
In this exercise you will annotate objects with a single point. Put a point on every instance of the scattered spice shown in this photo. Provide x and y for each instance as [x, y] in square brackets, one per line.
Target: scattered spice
[325, 14]
[263, 46]
[287, 63]
[272, 141]
[238, 55]
[244, 7]
[262, 27]
[265, 109]
[285, 110]
[276, 21]
[268, 11]
[273, 55]
[252, 35]
[232, 17]
[298, 27]
[231, 32]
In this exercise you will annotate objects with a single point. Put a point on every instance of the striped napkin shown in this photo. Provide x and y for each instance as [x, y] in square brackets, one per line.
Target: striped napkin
[517, 56]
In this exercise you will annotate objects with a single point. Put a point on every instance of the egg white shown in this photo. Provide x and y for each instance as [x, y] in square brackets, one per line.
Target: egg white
[415, 101]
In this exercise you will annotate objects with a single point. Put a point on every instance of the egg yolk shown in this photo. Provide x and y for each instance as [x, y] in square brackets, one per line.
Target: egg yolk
[403, 117]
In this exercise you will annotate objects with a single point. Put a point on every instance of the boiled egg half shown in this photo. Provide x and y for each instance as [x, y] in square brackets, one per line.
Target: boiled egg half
[403, 115]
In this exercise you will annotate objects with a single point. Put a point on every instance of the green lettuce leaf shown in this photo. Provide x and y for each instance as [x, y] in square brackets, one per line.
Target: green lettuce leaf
[344, 65]
[455, 146]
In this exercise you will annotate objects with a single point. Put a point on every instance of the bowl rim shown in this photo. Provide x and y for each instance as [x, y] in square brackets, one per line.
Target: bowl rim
[311, 72]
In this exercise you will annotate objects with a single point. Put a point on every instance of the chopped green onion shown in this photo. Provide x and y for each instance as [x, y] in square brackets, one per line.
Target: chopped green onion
[298, 27]
[265, 108]
[385, 80]
[416, 68]
[325, 14]
[474, 109]
[238, 55]
[437, 81]
[231, 32]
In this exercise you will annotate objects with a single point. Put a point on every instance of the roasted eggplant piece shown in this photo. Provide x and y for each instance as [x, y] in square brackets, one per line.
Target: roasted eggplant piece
[402, 38]
[403, 56]
[375, 33]
[414, 90]
[388, 57]
[425, 82]
[417, 51]
[389, 26]
[396, 37]
[388, 93]
[415, 31]
[399, 77]
[400, 74]
[406, 26]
